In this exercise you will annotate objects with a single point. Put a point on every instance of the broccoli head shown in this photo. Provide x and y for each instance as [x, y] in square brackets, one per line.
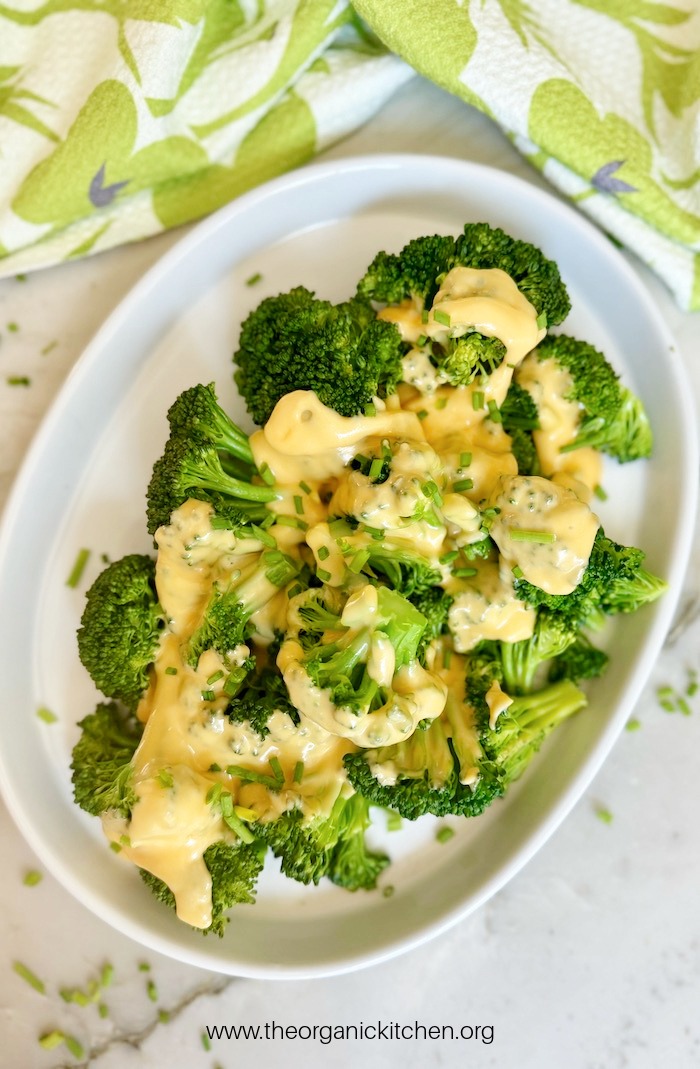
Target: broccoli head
[120, 628]
[101, 764]
[296, 342]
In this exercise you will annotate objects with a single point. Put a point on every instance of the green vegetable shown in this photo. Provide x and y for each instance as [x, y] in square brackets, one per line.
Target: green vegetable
[102, 772]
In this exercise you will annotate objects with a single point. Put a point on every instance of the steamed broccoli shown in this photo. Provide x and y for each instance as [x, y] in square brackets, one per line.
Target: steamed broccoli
[332, 846]
[226, 621]
[612, 419]
[429, 768]
[401, 568]
[234, 869]
[262, 693]
[553, 634]
[519, 417]
[196, 414]
[580, 660]
[121, 628]
[614, 581]
[297, 342]
[434, 604]
[101, 763]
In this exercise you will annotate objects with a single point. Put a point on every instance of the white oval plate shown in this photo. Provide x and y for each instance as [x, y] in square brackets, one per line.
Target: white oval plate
[83, 484]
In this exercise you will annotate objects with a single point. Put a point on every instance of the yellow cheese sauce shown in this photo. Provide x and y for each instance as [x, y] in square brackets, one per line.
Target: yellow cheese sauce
[447, 461]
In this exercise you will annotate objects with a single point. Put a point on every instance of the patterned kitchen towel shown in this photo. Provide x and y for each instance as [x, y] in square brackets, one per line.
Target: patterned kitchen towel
[603, 96]
[122, 118]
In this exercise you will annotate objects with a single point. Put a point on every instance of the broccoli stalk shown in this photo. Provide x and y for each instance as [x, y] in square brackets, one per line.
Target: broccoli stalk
[120, 628]
[553, 634]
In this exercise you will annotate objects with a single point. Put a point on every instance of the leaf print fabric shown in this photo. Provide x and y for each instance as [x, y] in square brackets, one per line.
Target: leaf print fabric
[603, 96]
[120, 118]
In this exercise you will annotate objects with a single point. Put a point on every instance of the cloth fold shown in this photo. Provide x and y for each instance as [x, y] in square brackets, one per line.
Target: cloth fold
[120, 119]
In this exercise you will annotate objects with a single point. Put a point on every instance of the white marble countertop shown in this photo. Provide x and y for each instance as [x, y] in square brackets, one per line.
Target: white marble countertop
[589, 958]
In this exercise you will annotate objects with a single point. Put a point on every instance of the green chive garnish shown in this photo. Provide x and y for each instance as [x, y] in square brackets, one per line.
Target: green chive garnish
[277, 770]
[394, 821]
[215, 677]
[423, 414]
[388, 891]
[425, 316]
[250, 775]
[517, 572]
[165, 778]
[323, 575]
[206, 1042]
[51, 1040]
[375, 468]
[519, 534]
[18, 380]
[152, 991]
[464, 573]
[447, 656]
[463, 484]
[13, 327]
[171, 670]
[600, 493]
[32, 878]
[441, 403]
[370, 410]
[305, 487]
[358, 561]
[441, 317]
[46, 715]
[447, 558]
[633, 724]
[494, 412]
[604, 814]
[78, 568]
[444, 834]
[541, 321]
[477, 400]
[292, 521]
[465, 459]
[208, 695]
[253, 279]
[298, 771]
[421, 340]
[323, 552]
[298, 505]
[29, 977]
[265, 474]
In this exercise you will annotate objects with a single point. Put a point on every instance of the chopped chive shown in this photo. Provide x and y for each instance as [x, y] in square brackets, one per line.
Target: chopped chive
[633, 724]
[668, 705]
[692, 688]
[684, 707]
[447, 558]
[124, 840]
[430, 489]
[600, 493]
[208, 695]
[144, 966]
[294, 590]
[323, 553]
[163, 1016]
[370, 410]
[266, 474]
[339, 527]
[165, 778]
[51, 1040]
[444, 834]
[442, 317]
[268, 521]
[20, 278]
[206, 1042]
[46, 715]
[463, 484]
[517, 572]
[262, 536]
[171, 670]
[477, 400]
[394, 821]
[298, 504]
[32, 878]
[253, 279]
[519, 534]
[292, 521]
[604, 814]
[78, 568]
[152, 991]
[494, 412]
[425, 316]
[250, 775]
[665, 692]
[305, 487]
[323, 575]
[76, 1048]
[107, 974]
[298, 771]
[441, 403]
[48, 348]
[233, 682]
[214, 767]
[375, 468]
[277, 771]
[103, 1010]
[18, 380]
[465, 459]
[115, 847]
[358, 561]
[541, 321]
[215, 677]
[29, 977]
[388, 891]
[245, 814]
[374, 532]
[13, 327]
[421, 340]
[464, 573]
[423, 414]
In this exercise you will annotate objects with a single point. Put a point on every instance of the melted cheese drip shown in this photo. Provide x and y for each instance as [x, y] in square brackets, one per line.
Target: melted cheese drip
[550, 386]
[498, 701]
[485, 607]
[565, 524]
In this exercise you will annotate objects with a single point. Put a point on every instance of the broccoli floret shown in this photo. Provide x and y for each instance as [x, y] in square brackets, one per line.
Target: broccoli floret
[414, 272]
[352, 865]
[553, 634]
[262, 694]
[614, 581]
[193, 468]
[101, 764]
[434, 604]
[426, 768]
[612, 419]
[197, 414]
[296, 342]
[120, 628]
[580, 660]
[234, 870]
[340, 666]
[519, 417]
[331, 846]
[403, 570]
[226, 621]
[461, 359]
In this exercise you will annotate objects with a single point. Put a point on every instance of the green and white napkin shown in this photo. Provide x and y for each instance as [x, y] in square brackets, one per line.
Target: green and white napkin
[121, 118]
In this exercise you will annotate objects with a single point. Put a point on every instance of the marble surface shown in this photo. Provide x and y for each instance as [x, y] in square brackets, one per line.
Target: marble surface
[589, 958]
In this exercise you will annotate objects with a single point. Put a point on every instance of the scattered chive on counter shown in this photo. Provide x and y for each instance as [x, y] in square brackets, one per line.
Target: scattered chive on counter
[46, 715]
[29, 977]
[254, 279]
[633, 724]
[18, 380]
[603, 814]
[444, 834]
[32, 878]
[152, 991]
[76, 572]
